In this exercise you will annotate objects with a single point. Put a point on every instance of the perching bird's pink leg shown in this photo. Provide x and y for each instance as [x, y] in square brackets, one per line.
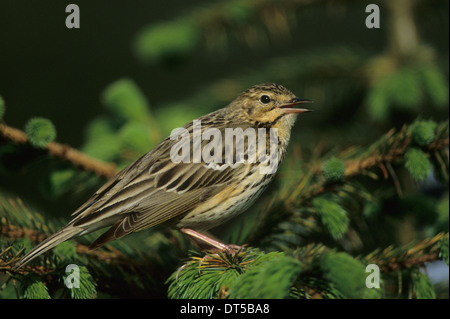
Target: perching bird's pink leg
[209, 241]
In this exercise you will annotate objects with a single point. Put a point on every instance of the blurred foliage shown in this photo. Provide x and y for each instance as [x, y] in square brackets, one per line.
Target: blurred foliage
[333, 216]
[214, 25]
[423, 286]
[128, 130]
[407, 88]
[86, 289]
[2, 107]
[346, 273]
[365, 179]
[443, 247]
[166, 40]
[34, 288]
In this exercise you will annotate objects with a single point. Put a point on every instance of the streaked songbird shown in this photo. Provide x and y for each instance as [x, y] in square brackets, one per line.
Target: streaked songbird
[192, 194]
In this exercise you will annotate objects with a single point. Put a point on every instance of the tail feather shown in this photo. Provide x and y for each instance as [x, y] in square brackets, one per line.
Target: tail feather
[64, 234]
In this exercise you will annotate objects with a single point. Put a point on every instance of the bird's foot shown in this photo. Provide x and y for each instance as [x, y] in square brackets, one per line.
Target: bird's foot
[213, 256]
[210, 245]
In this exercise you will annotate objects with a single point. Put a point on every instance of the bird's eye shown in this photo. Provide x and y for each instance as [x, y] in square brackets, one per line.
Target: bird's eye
[264, 99]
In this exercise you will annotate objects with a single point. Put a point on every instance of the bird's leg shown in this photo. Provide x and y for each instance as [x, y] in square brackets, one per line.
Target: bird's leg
[201, 240]
[209, 241]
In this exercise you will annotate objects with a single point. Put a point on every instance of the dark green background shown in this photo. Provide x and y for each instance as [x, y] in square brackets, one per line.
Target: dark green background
[51, 71]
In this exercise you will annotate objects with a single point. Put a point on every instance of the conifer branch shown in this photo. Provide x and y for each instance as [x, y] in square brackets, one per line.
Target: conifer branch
[392, 148]
[13, 232]
[389, 149]
[64, 152]
[411, 255]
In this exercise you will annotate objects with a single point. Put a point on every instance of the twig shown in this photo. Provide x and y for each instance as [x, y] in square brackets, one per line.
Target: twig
[354, 167]
[15, 232]
[397, 185]
[421, 253]
[64, 152]
[396, 151]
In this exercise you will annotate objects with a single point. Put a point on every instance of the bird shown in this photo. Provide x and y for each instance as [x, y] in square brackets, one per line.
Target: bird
[191, 195]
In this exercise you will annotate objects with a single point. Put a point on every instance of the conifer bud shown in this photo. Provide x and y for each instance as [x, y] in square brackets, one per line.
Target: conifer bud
[417, 163]
[40, 132]
[422, 133]
[334, 169]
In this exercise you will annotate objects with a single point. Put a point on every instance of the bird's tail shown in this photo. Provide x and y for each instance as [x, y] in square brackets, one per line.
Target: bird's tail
[64, 234]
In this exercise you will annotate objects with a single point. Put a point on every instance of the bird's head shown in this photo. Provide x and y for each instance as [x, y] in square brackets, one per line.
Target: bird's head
[269, 105]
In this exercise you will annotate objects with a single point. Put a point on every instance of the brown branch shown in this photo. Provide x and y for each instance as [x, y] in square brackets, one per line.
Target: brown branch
[64, 152]
[396, 259]
[397, 150]
[15, 232]
[394, 264]
[355, 167]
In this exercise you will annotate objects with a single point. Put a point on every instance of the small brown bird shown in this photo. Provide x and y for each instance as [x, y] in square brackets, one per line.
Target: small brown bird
[192, 195]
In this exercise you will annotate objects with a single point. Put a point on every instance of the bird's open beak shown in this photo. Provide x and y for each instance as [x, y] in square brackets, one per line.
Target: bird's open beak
[288, 108]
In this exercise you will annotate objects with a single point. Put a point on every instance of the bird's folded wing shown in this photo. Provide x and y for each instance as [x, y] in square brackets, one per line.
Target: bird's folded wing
[155, 191]
[158, 196]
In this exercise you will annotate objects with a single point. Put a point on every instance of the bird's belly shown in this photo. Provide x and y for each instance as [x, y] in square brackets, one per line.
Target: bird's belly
[223, 206]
